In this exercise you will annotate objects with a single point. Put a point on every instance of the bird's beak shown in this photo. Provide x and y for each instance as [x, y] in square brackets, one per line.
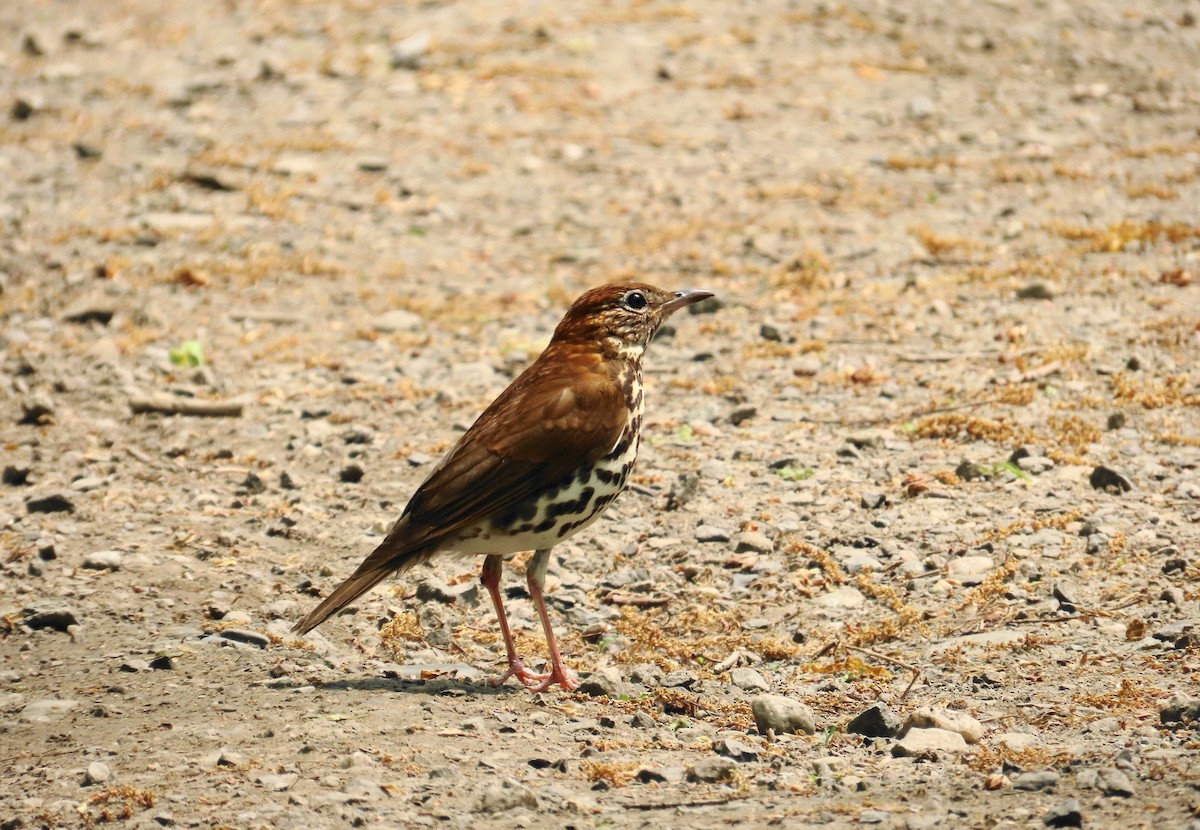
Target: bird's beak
[683, 298]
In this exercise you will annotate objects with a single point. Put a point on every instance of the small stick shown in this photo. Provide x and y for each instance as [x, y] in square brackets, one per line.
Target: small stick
[671, 805]
[636, 601]
[915, 671]
[173, 405]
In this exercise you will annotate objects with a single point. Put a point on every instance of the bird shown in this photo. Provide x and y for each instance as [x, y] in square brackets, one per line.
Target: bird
[541, 463]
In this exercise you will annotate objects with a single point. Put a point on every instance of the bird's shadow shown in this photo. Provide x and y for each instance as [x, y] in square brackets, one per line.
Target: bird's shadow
[444, 685]
[457, 687]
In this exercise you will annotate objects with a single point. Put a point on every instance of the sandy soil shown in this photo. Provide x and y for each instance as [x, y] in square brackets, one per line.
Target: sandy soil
[935, 450]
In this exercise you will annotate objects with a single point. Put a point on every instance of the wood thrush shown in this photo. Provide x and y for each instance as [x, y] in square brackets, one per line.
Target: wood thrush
[540, 464]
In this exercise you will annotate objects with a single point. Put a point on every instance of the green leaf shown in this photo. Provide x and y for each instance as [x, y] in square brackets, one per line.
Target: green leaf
[792, 474]
[190, 353]
[1005, 467]
[685, 432]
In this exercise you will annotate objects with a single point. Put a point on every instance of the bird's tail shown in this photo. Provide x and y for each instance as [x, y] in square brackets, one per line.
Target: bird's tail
[382, 563]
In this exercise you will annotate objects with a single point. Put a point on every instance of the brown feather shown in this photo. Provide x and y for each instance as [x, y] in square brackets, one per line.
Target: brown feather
[392, 556]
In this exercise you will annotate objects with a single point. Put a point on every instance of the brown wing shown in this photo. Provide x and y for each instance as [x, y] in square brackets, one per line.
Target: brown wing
[559, 414]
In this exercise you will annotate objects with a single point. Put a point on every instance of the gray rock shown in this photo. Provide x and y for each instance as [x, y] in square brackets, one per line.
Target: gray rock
[753, 540]
[407, 53]
[1110, 780]
[103, 560]
[683, 489]
[505, 795]
[1017, 741]
[398, 320]
[436, 590]
[970, 570]
[929, 744]
[711, 770]
[843, 597]
[277, 782]
[661, 775]
[604, 683]
[245, 635]
[53, 503]
[1064, 814]
[737, 750]
[647, 674]
[1179, 709]
[642, 720]
[873, 499]
[877, 722]
[935, 717]
[712, 533]
[45, 711]
[58, 617]
[680, 678]
[96, 773]
[781, 715]
[749, 680]
[920, 108]
[1036, 780]
[1104, 478]
[36, 409]
[771, 332]
[1036, 464]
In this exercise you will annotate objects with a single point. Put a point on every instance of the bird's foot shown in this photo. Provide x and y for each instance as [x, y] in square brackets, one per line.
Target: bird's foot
[558, 674]
[524, 676]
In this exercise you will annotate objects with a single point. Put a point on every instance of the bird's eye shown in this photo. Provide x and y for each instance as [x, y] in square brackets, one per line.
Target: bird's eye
[635, 300]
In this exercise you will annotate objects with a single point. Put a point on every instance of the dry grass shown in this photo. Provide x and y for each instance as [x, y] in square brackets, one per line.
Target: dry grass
[1151, 393]
[955, 425]
[938, 245]
[1147, 190]
[697, 637]
[1072, 433]
[1129, 697]
[117, 804]
[1116, 237]
[613, 773]
[903, 163]
[823, 559]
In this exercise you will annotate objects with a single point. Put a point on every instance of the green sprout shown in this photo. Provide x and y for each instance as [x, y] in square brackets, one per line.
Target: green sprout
[190, 353]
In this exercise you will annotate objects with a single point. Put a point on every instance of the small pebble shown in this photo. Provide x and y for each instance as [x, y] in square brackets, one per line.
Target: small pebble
[103, 560]
[781, 715]
[504, 795]
[97, 773]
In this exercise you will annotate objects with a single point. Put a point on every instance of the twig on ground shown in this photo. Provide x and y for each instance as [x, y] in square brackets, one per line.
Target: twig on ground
[172, 405]
[916, 673]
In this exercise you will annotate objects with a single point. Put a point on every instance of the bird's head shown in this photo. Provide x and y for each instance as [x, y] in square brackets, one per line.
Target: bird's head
[621, 318]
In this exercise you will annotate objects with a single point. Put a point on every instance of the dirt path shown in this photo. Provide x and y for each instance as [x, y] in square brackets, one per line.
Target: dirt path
[955, 246]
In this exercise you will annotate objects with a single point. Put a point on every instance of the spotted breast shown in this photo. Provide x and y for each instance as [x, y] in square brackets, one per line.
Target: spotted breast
[575, 502]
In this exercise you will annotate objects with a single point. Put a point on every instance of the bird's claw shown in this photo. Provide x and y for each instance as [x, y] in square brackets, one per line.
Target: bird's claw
[557, 675]
[524, 676]
[535, 682]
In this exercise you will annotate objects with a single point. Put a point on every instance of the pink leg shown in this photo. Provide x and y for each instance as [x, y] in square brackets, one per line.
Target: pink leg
[536, 577]
[490, 578]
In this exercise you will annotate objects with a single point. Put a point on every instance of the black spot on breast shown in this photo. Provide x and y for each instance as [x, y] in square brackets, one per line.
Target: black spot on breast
[578, 505]
[606, 476]
[620, 448]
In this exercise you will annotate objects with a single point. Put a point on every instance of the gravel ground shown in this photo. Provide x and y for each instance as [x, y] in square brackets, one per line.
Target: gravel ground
[913, 540]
